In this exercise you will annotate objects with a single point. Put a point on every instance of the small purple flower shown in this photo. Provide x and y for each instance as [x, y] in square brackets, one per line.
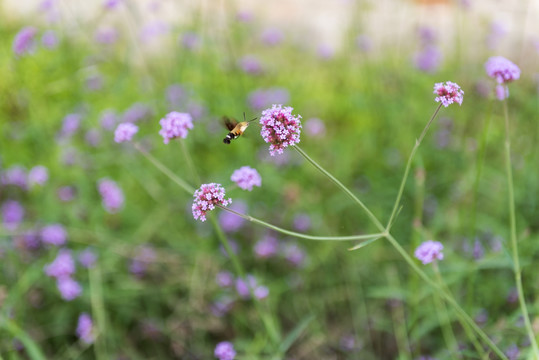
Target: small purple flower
[29, 240]
[93, 137]
[427, 35]
[108, 119]
[502, 69]
[12, 214]
[176, 94]
[106, 35]
[429, 251]
[70, 125]
[222, 306]
[250, 64]
[244, 16]
[225, 351]
[478, 250]
[111, 194]
[111, 4]
[154, 30]
[246, 177]
[267, 247]
[69, 288]
[448, 93]
[38, 175]
[24, 42]
[62, 266]
[302, 222]
[280, 128]
[206, 198]
[144, 256]
[315, 127]
[242, 286]
[15, 175]
[325, 51]
[261, 292]
[428, 59]
[272, 36]
[94, 82]
[54, 234]
[49, 39]
[136, 112]
[85, 329]
[125, 132]
[231, 222]
[224, 279]
[175, 125]
[190, 40]
[294, 254]
[512, 352]
[66, 193]
[87, 258]
[263, 98]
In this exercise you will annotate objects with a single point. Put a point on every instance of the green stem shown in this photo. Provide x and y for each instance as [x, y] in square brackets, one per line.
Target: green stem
[408, 165]
[300, 235]
[343, 188]
[189, 161]
[514, 245]
[183, 184]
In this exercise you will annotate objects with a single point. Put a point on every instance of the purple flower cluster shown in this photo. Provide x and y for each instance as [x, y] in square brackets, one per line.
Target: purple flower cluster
[428, 59]
[54, 234]
[280, 128]
[87, 258]
[144, 256]
[125, 132]
[250, 64]
[448, 93]
[15, 175]
[175, 125]
[49, 39]
[243, 287]
[224, 279]
[24, 42]
[70, 125]
[503, 71]
[62, 268]
[225, 351]
[206, 198]
[106, 35]
[267, 247]
[246, 177]
[429, 251]
[12, 214]
[69, 288]
[108, 119]
[85, 328]
[111, 194]
[272, 36]
[38, 175]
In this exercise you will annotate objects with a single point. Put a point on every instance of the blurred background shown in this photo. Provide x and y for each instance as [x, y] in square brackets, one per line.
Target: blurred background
[101, 257]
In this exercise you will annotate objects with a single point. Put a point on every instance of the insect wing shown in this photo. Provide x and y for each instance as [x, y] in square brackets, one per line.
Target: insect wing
[229, 123]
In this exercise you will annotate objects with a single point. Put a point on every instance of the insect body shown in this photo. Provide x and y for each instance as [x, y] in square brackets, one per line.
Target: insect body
[236, 128]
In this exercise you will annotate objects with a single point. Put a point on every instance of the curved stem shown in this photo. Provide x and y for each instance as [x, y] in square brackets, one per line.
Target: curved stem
[300, 235]
[408, 165]
[514, 245]
[343, 188]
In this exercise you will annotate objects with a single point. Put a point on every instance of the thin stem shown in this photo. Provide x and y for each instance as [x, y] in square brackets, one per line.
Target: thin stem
[408, 165]
[450, 300]
[189, 161]
[183, 184]
[514, 245]
[344, 188]
[300, 235]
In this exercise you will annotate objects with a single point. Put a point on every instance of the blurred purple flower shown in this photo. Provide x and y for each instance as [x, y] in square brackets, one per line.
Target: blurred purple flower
[87, 258]
[231, 222]
[280, 128]
[225, 351]
[243, 286]
[190, 40]
[315, 127]
[429, 251]
[244, 16]
[502, 69]
[69, 288]
[24, 42]
[272, 36]
[501, 92]
[206, 198]
[293, 254]
[145, 255]
[263, 98]
[111, 194]
[93, 137]
[54, 234]
[176, 94]
[498, 30]
[302, 222]
[195, 109]
[108, 119]
[512, 352]
[427, 35]
[136, 112]
[364, 43]
[15, 175]
[49, 39]
[62, 266]
[70, 156]
[250, 64]
[448, 93]
[70, 125]
[428, 59]
[106, 35]
[483, 88]
[124, 132]
[175, 125]
[111, 4]
[224, 279]
[85, 327]
[12, 214]
[261, 292]
[266, 247]
[29, 240]
[222, 306]
[38, 175]
[233, 246]
[325, 51]
[246, 177]
[478, 250]
[66, 193]
[94, 82]
[153, 30]
[512, 296]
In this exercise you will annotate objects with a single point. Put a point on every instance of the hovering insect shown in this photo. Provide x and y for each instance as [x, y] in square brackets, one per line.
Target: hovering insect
[236, 128]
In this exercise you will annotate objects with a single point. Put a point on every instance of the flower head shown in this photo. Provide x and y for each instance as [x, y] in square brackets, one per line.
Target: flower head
[225, 351]
[246, 177]
[12, 214]
[428, 59]
[108, 119]
[206, 198]
[70, 125]
[267, 247]
[87, 258]
[125, 132]
[49, 39]
[15, 175]
[501, 69]
[24, 42]
[280, 128]
[69, 288]
[111, 194]
[54, 234]
[224, 279]
[429, 251]
[63, 265]
[448, 93]
[38, 175]
[175, 125]
[85, 328]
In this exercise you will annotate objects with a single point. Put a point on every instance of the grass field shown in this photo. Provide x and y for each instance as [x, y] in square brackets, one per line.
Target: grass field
[155, 283]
